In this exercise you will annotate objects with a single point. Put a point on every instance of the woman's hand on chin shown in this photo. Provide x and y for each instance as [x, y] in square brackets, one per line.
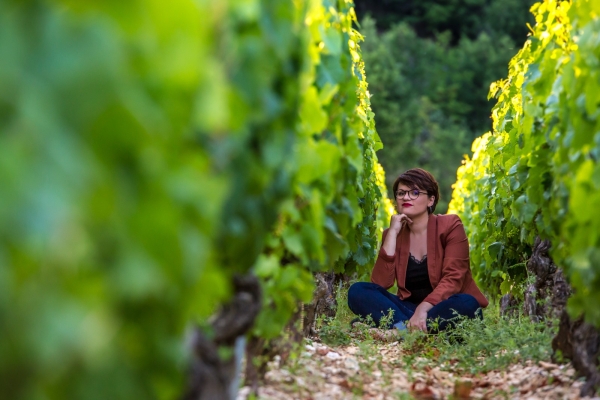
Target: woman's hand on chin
[397, 221]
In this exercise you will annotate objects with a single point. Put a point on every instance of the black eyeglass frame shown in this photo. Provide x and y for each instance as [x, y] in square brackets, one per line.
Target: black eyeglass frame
[410, 196]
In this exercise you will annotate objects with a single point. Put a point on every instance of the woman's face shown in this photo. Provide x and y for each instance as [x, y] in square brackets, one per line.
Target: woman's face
[412, 202]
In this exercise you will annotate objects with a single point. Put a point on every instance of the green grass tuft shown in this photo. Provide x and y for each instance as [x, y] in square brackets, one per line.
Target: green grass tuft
[473, 346]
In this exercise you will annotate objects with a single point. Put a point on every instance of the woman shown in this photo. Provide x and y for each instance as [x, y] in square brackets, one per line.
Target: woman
[427, 256]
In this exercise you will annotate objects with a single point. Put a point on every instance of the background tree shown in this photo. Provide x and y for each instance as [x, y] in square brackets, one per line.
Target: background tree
[430, 65]
[463, 18]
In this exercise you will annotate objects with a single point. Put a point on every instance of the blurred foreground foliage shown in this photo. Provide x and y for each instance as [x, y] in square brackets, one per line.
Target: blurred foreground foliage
[149, 151]
[537, 172]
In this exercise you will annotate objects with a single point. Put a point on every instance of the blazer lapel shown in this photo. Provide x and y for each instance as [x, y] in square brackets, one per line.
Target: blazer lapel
[404, 243]
[434, 272]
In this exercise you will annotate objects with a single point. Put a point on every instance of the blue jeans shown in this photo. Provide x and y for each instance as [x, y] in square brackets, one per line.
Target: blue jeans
[366, 298]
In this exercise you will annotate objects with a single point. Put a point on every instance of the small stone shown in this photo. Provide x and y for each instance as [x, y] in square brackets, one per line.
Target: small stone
[547, 365]
[322, 351]
[352, 364]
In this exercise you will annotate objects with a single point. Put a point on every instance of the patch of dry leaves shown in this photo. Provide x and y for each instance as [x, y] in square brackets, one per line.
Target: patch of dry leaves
[376, 371]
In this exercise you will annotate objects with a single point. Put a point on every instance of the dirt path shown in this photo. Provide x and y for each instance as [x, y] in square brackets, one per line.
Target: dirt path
[375, 370]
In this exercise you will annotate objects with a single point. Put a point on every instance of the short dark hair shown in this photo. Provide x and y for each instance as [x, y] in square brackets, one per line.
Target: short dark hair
[418, 178]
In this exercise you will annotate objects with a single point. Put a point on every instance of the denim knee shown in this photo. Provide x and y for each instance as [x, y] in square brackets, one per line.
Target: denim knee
[357, 291]
[470, 305]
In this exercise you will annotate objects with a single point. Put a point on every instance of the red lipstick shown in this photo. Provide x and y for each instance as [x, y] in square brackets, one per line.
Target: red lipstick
[406, 205]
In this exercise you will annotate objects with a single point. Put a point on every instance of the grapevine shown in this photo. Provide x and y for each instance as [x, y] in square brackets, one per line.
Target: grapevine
[148, 153]
[536, 173]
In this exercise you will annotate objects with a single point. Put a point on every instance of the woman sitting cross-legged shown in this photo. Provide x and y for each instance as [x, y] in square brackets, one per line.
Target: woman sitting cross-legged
[427, 256]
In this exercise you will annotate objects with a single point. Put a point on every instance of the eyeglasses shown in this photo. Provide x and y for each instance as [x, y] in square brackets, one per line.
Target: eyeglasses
[412, 194]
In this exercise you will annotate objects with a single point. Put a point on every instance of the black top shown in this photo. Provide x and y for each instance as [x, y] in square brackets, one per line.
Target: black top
[417, 280]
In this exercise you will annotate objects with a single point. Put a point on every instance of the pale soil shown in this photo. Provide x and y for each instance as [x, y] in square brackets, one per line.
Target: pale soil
[375, 370]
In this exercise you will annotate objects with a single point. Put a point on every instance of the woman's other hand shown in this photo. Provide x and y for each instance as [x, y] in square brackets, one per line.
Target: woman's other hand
[419, 318]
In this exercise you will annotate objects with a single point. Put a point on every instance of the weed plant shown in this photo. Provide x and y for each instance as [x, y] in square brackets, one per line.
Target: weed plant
[337, 331]
[492, 343]
[473, 346]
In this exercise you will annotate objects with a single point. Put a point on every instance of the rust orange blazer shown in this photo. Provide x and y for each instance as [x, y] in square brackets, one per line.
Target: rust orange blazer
[447, 261]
